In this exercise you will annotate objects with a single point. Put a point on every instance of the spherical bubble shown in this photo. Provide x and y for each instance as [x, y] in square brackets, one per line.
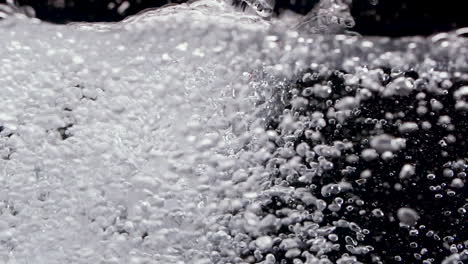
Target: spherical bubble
[457, 183]
[407, 171]
[264, 243]
[407, 216]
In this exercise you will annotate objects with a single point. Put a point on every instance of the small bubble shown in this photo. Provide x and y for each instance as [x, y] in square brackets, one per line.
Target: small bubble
[453, 249]
[377, 213]
[333, 237]
[413, 245]
[407, 216]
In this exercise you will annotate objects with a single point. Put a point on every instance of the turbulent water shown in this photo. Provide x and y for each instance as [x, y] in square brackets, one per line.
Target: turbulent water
[200, 134]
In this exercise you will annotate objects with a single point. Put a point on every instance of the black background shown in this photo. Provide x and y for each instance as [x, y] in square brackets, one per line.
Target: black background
[373, 17]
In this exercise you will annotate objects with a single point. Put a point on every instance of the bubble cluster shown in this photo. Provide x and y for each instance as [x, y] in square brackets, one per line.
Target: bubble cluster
[113, 139]
[367, 158]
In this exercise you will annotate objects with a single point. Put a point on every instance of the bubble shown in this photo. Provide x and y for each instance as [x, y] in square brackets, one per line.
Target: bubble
[369, 154]
[385, 142]
[400, 86]
[264, 243]
[407, 171]
[330, 189]
[377, 213]
[448, 173]
[292, 253]
[270, 259]
[457, 183]
[349, 240]
[333, 237]
[408, 216]
[408, 127]
[354, 227]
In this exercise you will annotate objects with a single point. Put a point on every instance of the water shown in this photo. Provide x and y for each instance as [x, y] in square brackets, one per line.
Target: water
[199, 134]
[145, 121]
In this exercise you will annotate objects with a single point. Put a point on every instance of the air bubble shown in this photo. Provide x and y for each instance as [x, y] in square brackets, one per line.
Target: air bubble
[377, 213]
[407, 216]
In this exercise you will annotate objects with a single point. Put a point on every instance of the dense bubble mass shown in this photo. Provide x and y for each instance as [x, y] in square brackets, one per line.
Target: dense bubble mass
[198, 134]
